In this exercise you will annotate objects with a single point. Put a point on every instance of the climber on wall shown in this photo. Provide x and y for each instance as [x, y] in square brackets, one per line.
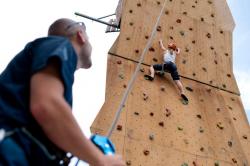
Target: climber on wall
[169, 55]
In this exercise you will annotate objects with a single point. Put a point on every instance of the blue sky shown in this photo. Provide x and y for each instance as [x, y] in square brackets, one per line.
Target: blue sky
[241, 55]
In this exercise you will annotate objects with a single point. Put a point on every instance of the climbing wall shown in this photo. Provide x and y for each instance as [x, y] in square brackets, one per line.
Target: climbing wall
[155, 127]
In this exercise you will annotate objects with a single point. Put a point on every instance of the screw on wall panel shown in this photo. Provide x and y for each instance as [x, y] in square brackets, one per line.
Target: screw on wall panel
[128, 162]
[230, 143]
[189, 89]
[158, 28]
[162, 88]
[199, 116]
[146, 152]
[201, 130]
[130, 11]
[234, 160]
[216, 163]
[121, 76]
[244, 136]
[151, 49]
[161, 124]
[178, 20]
[151, 114]
[219, 125]
[155, 60]
[151, 137]
[180, 128]
[136, 113]
[182, 33]
[119, 127]
[119, 62]
[204, 69]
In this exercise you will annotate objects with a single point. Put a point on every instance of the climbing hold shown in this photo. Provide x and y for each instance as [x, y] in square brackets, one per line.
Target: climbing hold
[190, 29]
[170, 37]
[130, 11]
[158, 28]
[171, 27]
[219, 125]
[194, 74]
[142, 70]
[137, 51]
[221, 31]
[161, 124]
[211, 82]
[200, 53]
[202, 19]
[182, 33]
[127, 38]
[216, 163]
[139, 4]
[158, 2]
[234, 160]
[184, 164]
[178, 20]
[145, 97]
[212, 15]
[202, 149]
[198, 116]
[212, 48]
[151, 137]
[124, 86]
[131, 23]
[234, 119]
[226, 54]
[162, 88]
[119, 127]
[232, 99]
[244, 136]
[146, 37]
[151, 114]
[155, 60]
[224, 86]
[230, 143]
[229, 75]
[193, 41]
[184, 13]
[201, 100]
[184, 61]
[196, 2]
[215, 61]
[189, 89]
[136, 113]
[208, 35]
[201, 130]
[146, 152]
[180, 128]
[230, 107]
[166, 12]
[209, 90]
[194, 163]
[119, 62]
[168, 112]
[151, 49]
[218, 109]
[210, 2]
[128, 162]
[186, 49]
[121, 76]
[193, 6]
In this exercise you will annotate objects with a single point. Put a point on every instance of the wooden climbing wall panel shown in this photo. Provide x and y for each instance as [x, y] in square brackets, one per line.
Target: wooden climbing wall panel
[155, 128]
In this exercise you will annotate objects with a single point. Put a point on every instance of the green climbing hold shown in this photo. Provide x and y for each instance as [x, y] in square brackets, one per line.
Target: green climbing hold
[216, 163]
[180, 128]
[184, 164]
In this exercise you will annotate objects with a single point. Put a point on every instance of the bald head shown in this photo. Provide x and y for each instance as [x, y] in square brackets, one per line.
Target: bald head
[65, 27]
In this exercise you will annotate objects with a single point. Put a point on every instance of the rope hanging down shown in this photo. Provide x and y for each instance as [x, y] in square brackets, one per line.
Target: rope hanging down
[132, 80]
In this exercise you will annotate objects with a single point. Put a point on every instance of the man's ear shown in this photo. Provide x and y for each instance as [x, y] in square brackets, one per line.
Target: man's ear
[81, 37]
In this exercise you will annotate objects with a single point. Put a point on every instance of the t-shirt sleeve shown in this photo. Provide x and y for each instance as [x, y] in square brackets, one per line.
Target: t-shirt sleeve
[60, 50]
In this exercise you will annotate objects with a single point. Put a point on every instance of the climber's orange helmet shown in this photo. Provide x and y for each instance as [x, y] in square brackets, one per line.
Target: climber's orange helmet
[172, 45]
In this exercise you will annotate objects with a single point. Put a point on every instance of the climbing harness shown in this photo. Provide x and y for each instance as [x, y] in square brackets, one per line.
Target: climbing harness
[103, 143]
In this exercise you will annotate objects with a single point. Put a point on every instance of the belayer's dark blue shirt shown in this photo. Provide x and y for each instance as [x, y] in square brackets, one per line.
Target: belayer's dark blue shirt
[15, 79]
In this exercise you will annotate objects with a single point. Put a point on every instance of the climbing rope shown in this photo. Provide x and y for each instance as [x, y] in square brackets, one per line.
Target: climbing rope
[132, 80]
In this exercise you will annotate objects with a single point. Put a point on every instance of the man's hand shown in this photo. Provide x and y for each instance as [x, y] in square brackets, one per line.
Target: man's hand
[161, 45]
